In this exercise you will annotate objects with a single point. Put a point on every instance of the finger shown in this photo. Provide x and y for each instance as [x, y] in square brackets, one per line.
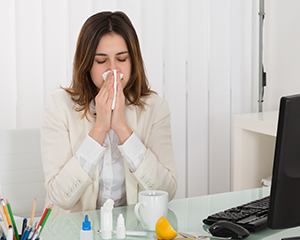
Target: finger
[109, 79]
[119, 95]
[119, 89]
[118, 83]
[103, 97]
[106, 85]
[111, 95]
[109, 88]
[118, 76]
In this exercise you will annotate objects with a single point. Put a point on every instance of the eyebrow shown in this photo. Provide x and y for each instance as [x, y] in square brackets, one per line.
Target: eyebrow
[103, 54]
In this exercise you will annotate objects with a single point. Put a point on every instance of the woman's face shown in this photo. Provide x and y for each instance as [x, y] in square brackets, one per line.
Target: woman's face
[111, 53]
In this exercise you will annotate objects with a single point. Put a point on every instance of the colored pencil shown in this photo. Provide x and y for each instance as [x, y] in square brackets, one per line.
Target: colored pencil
[3, 216]
[32, 212]
[12, 220]
[6, 213]
[46, 217]
[2, 232]
[42, 218]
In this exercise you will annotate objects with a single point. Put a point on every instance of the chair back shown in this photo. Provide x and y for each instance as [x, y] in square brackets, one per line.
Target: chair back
[21, 172]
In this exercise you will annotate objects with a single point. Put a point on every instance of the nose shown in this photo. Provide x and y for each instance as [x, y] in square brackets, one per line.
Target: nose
[113, 65]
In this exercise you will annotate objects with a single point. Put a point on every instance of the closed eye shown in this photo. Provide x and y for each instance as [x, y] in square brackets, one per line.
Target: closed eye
[122, 60]
[101, 62]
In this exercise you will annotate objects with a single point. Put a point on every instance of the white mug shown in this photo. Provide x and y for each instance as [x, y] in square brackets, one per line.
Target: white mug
[151, 206]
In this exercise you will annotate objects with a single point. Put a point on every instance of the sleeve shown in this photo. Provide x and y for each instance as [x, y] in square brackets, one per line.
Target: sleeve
[133, 151]
[89, 154]
[157, 170]
[65, 179]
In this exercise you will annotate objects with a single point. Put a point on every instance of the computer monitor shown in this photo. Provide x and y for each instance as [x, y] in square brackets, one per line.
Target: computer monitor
[284, 207]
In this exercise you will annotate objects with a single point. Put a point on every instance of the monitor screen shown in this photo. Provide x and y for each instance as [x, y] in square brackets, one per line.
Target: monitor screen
[284, 207]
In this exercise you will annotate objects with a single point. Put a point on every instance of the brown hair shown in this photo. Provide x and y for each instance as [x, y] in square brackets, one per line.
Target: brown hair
[82, 89]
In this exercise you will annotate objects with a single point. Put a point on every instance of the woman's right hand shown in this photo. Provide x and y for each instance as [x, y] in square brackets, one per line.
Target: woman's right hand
[103, 103]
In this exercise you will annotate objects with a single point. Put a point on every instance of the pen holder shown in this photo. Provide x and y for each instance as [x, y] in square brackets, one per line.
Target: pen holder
[20, 236]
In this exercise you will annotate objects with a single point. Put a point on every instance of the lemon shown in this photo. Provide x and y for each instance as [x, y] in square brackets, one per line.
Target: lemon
[164, 230]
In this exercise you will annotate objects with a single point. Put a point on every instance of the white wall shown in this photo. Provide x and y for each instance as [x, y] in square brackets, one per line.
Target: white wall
[198, 55]
[282, 51]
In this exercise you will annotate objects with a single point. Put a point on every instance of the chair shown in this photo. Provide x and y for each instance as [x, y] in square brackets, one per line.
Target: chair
[21, 173]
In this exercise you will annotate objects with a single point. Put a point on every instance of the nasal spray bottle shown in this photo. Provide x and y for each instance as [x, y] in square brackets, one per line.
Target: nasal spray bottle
[106, 219]
[120, 227]
[86, 233]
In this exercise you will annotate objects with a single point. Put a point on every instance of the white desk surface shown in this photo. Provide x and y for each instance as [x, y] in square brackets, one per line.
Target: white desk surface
[265, 122]
[185, 215]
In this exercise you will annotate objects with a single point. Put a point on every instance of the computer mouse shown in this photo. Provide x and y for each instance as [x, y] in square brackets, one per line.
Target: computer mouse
[228, 229]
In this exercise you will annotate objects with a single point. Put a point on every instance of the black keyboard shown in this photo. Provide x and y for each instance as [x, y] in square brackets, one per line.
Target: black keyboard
[252, 215]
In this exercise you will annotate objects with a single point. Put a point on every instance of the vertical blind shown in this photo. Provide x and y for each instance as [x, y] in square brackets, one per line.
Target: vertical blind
[197, 53]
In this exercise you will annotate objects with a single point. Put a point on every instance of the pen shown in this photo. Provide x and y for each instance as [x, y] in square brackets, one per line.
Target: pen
[10, 233]
[132, 233]
[26, 233]
[12, 220]
[24, 225]
[36, 234]
[136, 233]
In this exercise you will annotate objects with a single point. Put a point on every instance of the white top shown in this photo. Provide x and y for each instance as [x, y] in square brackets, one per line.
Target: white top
[111, 166]
[63, 130]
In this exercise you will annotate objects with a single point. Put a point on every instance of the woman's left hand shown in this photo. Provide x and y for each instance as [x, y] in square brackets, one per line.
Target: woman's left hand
[118, 122]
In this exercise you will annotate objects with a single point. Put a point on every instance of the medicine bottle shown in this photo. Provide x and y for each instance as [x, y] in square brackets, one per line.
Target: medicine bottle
[106, 219]
[86, 233]
[120, 227]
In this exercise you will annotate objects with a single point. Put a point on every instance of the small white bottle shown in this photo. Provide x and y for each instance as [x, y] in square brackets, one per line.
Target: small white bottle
[86, 233]
[106, 219]
[120, 227]
[10, 233]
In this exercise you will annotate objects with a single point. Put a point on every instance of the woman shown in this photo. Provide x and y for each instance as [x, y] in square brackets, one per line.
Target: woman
[90, 152]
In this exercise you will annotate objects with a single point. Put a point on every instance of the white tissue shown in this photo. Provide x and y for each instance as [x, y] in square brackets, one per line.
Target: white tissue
[104, 75]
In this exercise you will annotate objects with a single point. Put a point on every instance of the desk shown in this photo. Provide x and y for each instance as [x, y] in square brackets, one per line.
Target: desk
[185, 215]
[254, 145]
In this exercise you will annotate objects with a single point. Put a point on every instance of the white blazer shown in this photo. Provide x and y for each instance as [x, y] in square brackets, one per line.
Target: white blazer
[63, 130]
